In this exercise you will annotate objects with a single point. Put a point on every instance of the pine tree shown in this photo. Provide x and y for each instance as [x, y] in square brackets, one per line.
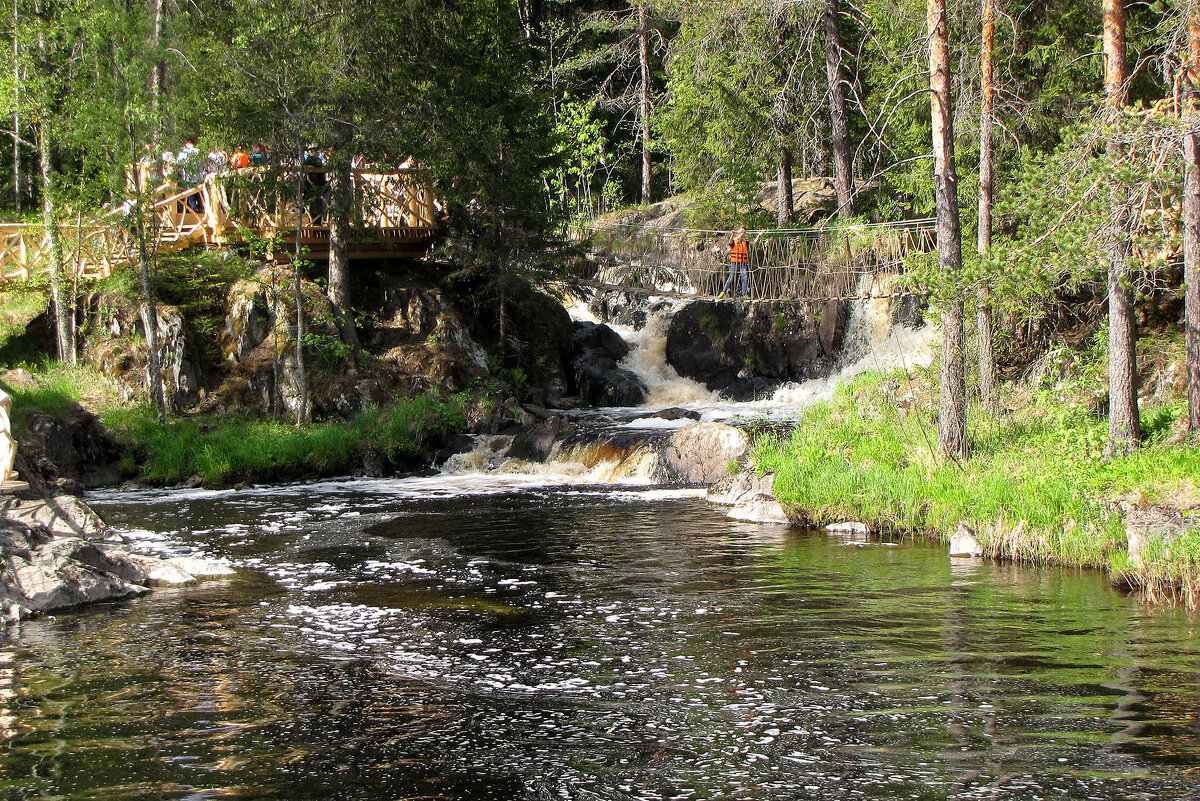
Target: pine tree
[1124, 428]
[952, 409]
[988, 392]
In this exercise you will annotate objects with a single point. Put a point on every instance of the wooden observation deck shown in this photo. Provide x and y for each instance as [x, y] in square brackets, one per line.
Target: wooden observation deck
[392, 215]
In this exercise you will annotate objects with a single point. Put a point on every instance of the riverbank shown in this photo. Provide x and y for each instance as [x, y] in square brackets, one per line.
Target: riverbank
[1038, 487]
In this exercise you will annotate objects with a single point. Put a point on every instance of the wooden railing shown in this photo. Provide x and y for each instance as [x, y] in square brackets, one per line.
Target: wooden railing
[391, 206]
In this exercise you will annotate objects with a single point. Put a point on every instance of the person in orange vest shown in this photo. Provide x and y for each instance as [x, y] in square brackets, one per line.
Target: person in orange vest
[239, 159]
[739, 261]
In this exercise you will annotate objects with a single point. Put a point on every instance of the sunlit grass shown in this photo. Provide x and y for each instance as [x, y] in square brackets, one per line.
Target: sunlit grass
[225, 452]
[1037, 485]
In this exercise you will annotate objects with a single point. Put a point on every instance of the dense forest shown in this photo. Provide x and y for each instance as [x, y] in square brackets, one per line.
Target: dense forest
[1057, 137]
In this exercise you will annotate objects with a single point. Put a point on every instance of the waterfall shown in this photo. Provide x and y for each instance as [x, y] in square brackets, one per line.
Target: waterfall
[873, 341]
[624, 446]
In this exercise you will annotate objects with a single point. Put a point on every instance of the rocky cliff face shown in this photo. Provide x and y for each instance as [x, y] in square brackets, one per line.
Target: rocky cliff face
[746, 350]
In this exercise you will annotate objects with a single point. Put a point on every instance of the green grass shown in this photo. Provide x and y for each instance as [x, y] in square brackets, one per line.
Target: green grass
[17, 308]
[1037, 486]
[56, 389]
[226, 452]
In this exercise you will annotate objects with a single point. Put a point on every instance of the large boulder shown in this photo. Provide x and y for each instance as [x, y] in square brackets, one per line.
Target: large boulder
[701, 453]
[56, 553]
[745, 351]
[68, 453]
[598, 379]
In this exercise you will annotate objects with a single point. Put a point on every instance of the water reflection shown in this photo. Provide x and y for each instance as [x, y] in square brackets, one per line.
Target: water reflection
[579, 644]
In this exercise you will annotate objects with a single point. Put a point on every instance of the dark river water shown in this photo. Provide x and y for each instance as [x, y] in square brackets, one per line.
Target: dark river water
[471, 639]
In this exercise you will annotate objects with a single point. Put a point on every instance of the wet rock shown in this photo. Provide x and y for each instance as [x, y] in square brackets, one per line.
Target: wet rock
[752, 497]
[760, 510]
[674, 413]
[745, 351]
[60, 516]
[374, 463]
[965, 543]
[729, 491]
[596, 349]
[849, 527]
[201, 568]
[600, 338]
[40, 572]
[55, 554]
[701, 453]
[535, 443]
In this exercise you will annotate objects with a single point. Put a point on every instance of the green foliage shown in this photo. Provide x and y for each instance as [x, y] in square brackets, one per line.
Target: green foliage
[230, 451]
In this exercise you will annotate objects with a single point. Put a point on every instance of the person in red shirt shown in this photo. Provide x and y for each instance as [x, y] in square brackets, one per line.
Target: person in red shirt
[239, 159]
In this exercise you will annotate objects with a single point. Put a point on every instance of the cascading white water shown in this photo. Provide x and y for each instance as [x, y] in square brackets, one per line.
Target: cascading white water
[872, 342]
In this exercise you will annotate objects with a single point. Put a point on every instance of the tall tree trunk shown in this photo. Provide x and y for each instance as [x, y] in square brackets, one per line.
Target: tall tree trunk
[158, 74]
[952, 409]
[16, 143]
[301, 374]
[843, 157]
[58, 293]
[644, 99]
[1124, 429]
[988, 391]
[150, 321]
[783, 198]
[1191, 220]
[340, 208]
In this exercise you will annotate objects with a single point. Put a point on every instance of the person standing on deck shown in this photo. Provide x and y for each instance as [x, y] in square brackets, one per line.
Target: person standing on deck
[190, 165]
[739, 261]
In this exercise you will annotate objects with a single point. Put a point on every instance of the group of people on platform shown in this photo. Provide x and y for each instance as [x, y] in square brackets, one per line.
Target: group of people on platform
[189, 167]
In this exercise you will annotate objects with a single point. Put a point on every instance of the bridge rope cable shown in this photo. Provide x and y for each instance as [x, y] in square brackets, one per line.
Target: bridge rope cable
[819, 265]
[833, 226]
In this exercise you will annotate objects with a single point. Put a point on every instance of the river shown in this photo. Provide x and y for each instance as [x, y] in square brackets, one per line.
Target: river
[506, 637]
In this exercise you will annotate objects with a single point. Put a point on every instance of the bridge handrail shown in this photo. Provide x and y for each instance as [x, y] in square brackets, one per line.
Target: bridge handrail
[398, 202]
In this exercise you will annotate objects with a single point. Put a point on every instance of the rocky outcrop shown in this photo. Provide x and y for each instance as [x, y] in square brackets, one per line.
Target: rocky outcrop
[114, 342]
[598, 379]
[701, 453]
[56, 553]
[964, 542]
[68, 453]
[745, 351]
[752, 498]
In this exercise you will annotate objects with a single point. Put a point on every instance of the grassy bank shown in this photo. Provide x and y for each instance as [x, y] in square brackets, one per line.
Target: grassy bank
[229, 451]
[1038, 486]
[225, 451]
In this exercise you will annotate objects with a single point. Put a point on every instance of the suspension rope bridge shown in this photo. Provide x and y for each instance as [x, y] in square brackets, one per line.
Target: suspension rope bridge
[831, 263]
